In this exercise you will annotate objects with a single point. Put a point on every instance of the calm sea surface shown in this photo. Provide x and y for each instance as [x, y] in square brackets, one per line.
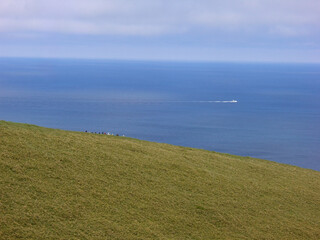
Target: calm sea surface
[277, 116]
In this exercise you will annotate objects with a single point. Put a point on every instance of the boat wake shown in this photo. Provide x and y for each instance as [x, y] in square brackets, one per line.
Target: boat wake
[155, 101]
[210, 101]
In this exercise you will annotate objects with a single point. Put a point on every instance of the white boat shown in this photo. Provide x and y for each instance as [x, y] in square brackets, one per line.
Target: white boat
[234, 101]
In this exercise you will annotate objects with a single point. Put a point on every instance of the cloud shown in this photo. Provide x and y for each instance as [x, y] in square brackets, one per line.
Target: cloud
[160, 17]
[249, 30]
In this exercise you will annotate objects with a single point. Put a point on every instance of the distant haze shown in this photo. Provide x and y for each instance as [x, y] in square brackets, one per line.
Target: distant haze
[191, 30]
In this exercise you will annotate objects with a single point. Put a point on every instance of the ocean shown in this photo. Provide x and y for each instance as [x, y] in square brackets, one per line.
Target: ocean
[276, 116]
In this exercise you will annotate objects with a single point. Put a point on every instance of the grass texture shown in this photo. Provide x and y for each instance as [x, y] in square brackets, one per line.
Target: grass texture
[57, 184]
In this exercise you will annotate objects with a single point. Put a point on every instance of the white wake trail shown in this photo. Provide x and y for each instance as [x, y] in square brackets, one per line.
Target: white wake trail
[209, 101]
[155, 102]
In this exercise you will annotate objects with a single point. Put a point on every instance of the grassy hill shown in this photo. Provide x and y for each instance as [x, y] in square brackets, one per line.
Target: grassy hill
[58, 184]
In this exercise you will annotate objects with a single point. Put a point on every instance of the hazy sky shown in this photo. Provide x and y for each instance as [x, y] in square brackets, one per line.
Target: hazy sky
[217, 30]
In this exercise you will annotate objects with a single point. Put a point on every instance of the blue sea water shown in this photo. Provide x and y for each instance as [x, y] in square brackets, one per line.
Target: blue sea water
[276, 117]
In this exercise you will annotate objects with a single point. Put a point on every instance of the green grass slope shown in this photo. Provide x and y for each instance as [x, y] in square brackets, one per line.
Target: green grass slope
[58, 184]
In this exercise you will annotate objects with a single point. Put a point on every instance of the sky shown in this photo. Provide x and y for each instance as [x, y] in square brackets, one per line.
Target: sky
[188, 30]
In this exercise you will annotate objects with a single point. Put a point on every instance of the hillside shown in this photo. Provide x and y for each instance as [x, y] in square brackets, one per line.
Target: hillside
[58, 184]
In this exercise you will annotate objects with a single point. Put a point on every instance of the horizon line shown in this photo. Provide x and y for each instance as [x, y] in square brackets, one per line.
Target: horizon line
[157, 60]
